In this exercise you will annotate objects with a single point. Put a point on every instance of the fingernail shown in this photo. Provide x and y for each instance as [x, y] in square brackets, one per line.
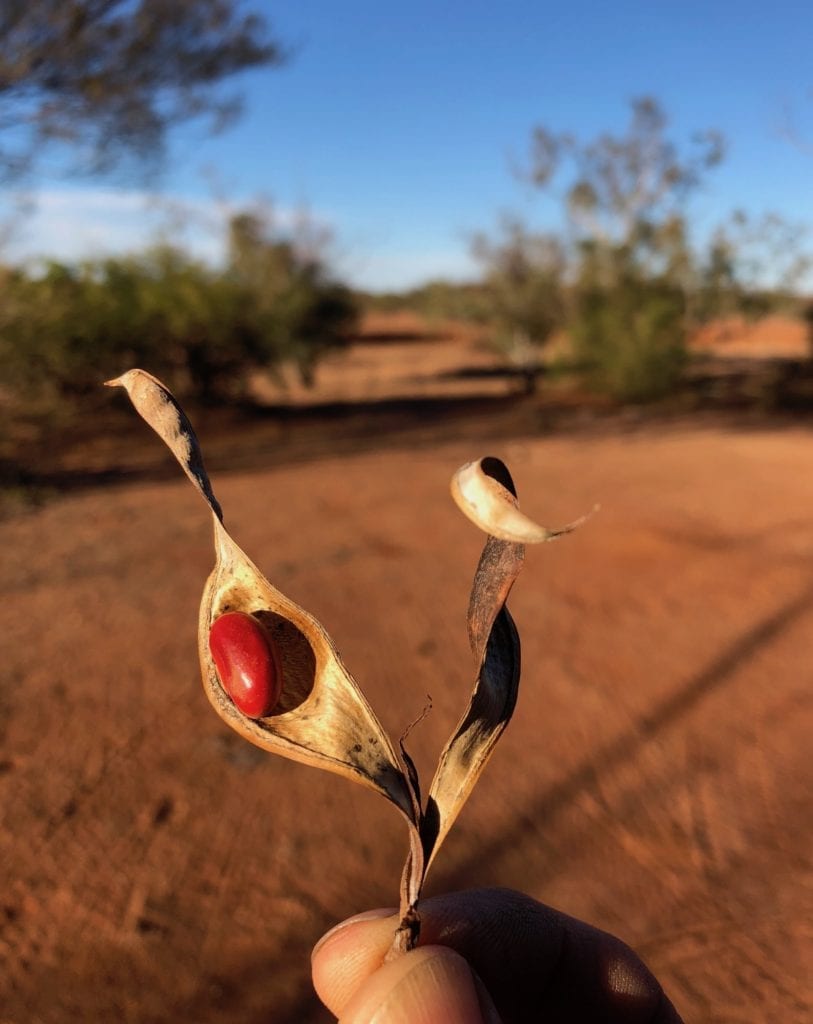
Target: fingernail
[368, 915]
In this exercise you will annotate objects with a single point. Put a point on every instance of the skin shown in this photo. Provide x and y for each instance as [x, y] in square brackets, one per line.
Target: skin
[485, 956]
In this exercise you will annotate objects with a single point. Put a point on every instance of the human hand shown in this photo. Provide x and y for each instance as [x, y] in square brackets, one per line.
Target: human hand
[487, 956]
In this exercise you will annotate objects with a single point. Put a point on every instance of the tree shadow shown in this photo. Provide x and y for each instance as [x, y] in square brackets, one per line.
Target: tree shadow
[245, 436]
[626, 747]
[622, 750]
[770, 394]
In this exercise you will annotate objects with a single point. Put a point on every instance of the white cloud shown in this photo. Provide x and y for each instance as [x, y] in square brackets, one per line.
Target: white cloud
[74, 224]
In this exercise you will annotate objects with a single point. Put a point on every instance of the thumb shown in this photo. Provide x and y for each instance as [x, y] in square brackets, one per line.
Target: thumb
[429, 985]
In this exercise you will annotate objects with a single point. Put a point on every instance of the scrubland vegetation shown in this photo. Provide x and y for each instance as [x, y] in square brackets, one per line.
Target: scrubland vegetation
[623, 274]
[62, 329]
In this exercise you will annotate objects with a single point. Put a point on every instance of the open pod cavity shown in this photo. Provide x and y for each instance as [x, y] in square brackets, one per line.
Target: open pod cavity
[321, 718]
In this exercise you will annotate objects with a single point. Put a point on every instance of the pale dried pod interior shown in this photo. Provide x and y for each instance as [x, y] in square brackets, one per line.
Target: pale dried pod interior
[322, 718]
[481, 492]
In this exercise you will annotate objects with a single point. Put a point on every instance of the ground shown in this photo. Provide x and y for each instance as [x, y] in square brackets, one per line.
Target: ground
[655, 780]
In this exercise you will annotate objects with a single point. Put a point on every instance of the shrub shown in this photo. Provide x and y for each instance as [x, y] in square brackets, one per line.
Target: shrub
[67, 328]
[631, 338]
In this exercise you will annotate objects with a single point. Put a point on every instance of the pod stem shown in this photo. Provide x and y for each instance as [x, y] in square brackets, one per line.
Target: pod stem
[406, 934]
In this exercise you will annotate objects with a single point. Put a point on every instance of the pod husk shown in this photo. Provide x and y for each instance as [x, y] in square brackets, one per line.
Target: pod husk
[323, 719]
[485, 493]
[494, 641]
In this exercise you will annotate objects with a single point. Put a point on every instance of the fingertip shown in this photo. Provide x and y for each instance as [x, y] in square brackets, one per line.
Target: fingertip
[425, 986]
[367, 915]
[346, 956]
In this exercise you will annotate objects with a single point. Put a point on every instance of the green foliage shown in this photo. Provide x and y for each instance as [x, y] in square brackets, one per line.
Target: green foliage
[620, 185]
[524, 274]
[524, 284]
[618, 271]
[301, 312]
[753, 267]
[205, 330]
[630, 338]
[436, 300]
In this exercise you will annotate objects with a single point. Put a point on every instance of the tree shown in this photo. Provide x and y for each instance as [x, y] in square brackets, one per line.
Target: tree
[305, 313]
[625, 190]
[204, 329]
[64, 330]
[523, 277]
[754, 265]
[109, 78]
[624, 200]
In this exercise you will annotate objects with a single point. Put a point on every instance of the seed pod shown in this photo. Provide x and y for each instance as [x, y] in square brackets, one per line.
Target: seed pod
[321, 718]
[484, 491]
[301, 702]
[486, 494]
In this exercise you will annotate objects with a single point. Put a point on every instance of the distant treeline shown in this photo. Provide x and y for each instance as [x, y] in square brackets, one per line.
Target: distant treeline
[623, 276]
[64, 328]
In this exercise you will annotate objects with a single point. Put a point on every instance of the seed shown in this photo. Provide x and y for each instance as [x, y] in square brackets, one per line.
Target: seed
[246, 663]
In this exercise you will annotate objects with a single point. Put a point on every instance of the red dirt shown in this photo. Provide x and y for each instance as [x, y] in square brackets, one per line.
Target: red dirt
[769, 337]
[655, 780]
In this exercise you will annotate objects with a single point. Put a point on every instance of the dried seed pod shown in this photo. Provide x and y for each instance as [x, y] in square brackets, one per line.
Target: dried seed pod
[485, 493]
[321, 718]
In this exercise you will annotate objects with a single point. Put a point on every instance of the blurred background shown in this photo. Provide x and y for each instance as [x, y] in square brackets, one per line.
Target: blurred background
[364, 248]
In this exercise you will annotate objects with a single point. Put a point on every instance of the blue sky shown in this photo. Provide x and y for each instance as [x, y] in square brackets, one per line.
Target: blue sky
[397, 124]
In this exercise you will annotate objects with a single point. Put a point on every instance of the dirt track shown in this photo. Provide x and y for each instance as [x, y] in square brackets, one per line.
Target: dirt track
[656, 779]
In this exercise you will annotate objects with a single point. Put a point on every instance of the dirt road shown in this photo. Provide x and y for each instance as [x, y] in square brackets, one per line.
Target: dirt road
[656, 779]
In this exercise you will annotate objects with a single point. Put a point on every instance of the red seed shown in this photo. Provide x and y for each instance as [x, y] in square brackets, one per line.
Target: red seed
[246, 663]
